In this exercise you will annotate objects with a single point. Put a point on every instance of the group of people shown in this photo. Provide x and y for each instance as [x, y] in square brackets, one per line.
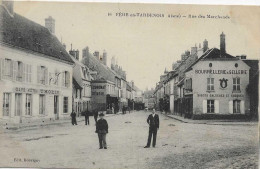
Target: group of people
[102, 127]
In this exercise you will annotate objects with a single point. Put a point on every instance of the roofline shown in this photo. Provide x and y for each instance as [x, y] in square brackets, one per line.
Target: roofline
[38, 53]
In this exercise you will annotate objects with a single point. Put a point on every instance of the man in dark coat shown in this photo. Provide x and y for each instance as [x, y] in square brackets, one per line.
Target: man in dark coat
[86, 113]
[102, 130]
[153, 121]
[73, 118]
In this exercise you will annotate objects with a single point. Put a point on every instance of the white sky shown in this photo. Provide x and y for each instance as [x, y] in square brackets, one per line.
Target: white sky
[145, 46]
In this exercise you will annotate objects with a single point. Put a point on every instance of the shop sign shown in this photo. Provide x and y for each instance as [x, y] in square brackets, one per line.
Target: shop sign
[31, 90]
[223, 83]
[219, 95]
[232, 72]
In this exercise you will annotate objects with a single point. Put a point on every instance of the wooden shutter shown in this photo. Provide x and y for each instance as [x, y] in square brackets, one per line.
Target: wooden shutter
[15, 70]
[46, 76]
[231, 106]
[63, 79]
[204, 106]
[11, 69]
[68, 79]
[242, 107]
[1, 68]
[216, 106]
[38, 74]
[24, 72]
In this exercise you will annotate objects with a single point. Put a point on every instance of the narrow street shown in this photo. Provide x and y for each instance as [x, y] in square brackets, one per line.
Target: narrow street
[179, 145]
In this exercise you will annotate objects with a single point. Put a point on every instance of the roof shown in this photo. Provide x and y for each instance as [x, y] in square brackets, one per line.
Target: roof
[25, 34]
[102, 70]
[76, 85]
[212, 54]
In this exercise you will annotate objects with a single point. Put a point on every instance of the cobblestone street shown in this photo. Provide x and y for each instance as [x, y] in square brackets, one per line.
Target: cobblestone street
[179, 145]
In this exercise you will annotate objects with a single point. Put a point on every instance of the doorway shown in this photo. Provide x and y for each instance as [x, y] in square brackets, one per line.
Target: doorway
[56, 107]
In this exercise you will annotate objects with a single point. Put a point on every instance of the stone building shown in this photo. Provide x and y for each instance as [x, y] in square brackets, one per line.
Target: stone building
[36, 71]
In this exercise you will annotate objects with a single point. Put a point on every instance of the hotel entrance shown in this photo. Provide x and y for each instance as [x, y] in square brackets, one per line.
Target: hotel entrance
[56, 107]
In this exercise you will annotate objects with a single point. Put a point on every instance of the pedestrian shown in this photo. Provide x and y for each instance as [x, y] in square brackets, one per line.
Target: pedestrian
[102, 130]
[153, 121]
[129, 109]
[87, 113]
[73, 118]
[95, 114]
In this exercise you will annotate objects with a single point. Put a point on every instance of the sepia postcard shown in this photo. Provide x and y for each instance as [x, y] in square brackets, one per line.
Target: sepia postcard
[129, 85]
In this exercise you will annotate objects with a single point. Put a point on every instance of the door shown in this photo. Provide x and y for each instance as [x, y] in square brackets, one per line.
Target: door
[56, 107]
[18, 106]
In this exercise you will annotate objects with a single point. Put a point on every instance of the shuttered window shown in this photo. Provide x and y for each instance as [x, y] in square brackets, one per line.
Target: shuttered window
[28, 105]
[42, 75]
[66, 79]
[8, 68]
[210, 106]
[42, 104]
[6, 104]
[236, 107]
[65, 104]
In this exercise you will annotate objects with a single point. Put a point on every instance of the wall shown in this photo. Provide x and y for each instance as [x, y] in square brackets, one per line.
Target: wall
[222, 96]
[35, 59]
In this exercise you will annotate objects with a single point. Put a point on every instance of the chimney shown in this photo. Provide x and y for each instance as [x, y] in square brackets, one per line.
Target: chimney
[194, 50]
[243, 57]
[85, 52]
[222, 45]
[85, 55]
[77, 54]
[50, 24]
[205, 45]
[104, 57]
[113, 62]
[9, 5]
[96, 53]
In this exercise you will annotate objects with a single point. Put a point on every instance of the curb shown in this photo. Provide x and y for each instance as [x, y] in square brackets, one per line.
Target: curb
[213, 122]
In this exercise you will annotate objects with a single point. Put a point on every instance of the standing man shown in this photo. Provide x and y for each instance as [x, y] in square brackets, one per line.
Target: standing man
[153, 121]
[73, 118]
[102, 130]
[87, 117]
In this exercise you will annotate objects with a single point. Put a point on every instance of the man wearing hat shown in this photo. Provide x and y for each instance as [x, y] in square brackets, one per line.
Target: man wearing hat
[102, 130]
[153, 121]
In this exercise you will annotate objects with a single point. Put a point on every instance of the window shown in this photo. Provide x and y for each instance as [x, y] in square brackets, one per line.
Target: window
[236, 84]
[236, 107]
[65, 105]
[28, 105]
[18, 104]
[8, 68]
[42, 75]
[210, 106]
[210, 84]
[6, 104]
[42, 104]
[19, 76]
[28, 73]
[66, 79]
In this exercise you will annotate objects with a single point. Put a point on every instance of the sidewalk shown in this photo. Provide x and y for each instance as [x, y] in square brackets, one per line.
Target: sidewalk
[15, 126]
[211, 122]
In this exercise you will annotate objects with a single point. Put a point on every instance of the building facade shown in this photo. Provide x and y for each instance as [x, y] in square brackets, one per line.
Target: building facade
[36, 72]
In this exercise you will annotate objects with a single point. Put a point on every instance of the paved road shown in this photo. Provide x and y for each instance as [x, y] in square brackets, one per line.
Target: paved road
[179, 145]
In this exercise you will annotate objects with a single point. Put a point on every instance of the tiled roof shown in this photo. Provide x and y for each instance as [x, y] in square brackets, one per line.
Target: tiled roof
[212, 54]
[102, 70]
[23, 33]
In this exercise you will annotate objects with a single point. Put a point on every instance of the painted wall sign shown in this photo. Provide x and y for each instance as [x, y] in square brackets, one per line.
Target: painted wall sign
[39, 91]
[209, 71]
[223, 83]
[219, 95]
